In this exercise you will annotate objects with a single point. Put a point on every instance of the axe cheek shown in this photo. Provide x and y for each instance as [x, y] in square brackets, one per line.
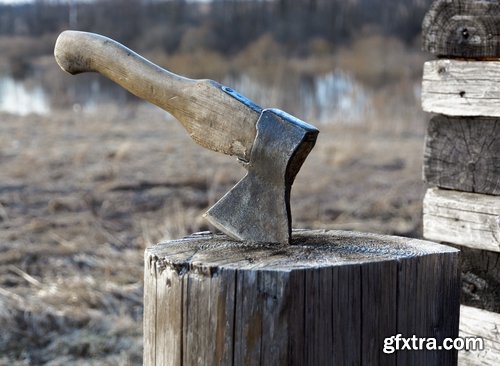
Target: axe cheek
[252, 210]
[258, 207]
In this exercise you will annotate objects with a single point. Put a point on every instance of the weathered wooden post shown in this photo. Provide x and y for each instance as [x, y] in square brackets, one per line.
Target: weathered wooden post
[462, 152]
[329, 298]
[267, 297]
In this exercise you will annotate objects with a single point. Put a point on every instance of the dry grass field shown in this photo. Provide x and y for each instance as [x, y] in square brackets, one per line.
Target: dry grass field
[82, 193]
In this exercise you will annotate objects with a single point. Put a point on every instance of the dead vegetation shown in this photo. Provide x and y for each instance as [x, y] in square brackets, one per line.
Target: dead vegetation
[83, 193]
[85, 189]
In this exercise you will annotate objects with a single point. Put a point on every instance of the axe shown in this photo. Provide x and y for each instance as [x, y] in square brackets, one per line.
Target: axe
[271, 144]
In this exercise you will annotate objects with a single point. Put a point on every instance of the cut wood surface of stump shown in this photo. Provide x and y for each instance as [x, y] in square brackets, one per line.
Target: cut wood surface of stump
[329, 298]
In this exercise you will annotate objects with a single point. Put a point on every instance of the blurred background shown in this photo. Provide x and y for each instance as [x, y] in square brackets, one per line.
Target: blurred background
[328, 56]
[90, 175]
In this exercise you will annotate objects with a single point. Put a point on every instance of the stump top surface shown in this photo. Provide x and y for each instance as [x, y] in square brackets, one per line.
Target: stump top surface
[309, 249]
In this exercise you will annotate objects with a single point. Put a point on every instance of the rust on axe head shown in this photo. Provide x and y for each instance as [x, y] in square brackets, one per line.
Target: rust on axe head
[271, 143]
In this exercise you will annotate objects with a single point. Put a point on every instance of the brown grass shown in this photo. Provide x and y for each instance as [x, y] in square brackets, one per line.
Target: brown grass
[83, 193]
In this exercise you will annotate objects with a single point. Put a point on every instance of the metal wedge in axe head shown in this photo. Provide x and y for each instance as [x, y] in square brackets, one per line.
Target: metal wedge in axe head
[271, 143]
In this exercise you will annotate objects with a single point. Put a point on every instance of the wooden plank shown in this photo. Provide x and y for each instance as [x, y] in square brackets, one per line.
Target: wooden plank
[332, 296]
[483, 263]
[468, 219]
[480, 323]
[462, 28]
[462, 88]
[463, 154]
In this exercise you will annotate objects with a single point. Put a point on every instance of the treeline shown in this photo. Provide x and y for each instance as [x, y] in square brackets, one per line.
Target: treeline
[225, 26]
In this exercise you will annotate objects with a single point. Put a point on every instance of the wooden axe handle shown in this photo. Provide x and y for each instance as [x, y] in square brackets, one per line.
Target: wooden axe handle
[211, 114]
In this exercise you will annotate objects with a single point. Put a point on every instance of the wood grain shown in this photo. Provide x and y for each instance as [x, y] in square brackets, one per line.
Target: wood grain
[462, 28]
[329, 297]
[212, 117]
[168, 297]
[480, 323]
[463, 154]
[150, 344]
[468, 219]
[484, 263]
[462, 88]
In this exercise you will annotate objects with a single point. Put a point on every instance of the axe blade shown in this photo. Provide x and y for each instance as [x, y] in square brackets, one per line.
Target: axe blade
[258, 207]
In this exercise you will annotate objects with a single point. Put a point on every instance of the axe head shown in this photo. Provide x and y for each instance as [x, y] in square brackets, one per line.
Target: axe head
[258, 207]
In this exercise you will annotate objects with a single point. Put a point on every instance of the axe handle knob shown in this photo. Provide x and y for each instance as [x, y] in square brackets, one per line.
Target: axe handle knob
[213, 118]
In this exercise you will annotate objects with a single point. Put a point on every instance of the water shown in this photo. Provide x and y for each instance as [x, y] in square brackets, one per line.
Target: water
[336, 96]
[330, 98]
[20, 98]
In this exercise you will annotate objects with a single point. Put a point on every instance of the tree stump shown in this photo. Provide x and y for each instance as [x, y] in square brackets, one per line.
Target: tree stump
[329, 298]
